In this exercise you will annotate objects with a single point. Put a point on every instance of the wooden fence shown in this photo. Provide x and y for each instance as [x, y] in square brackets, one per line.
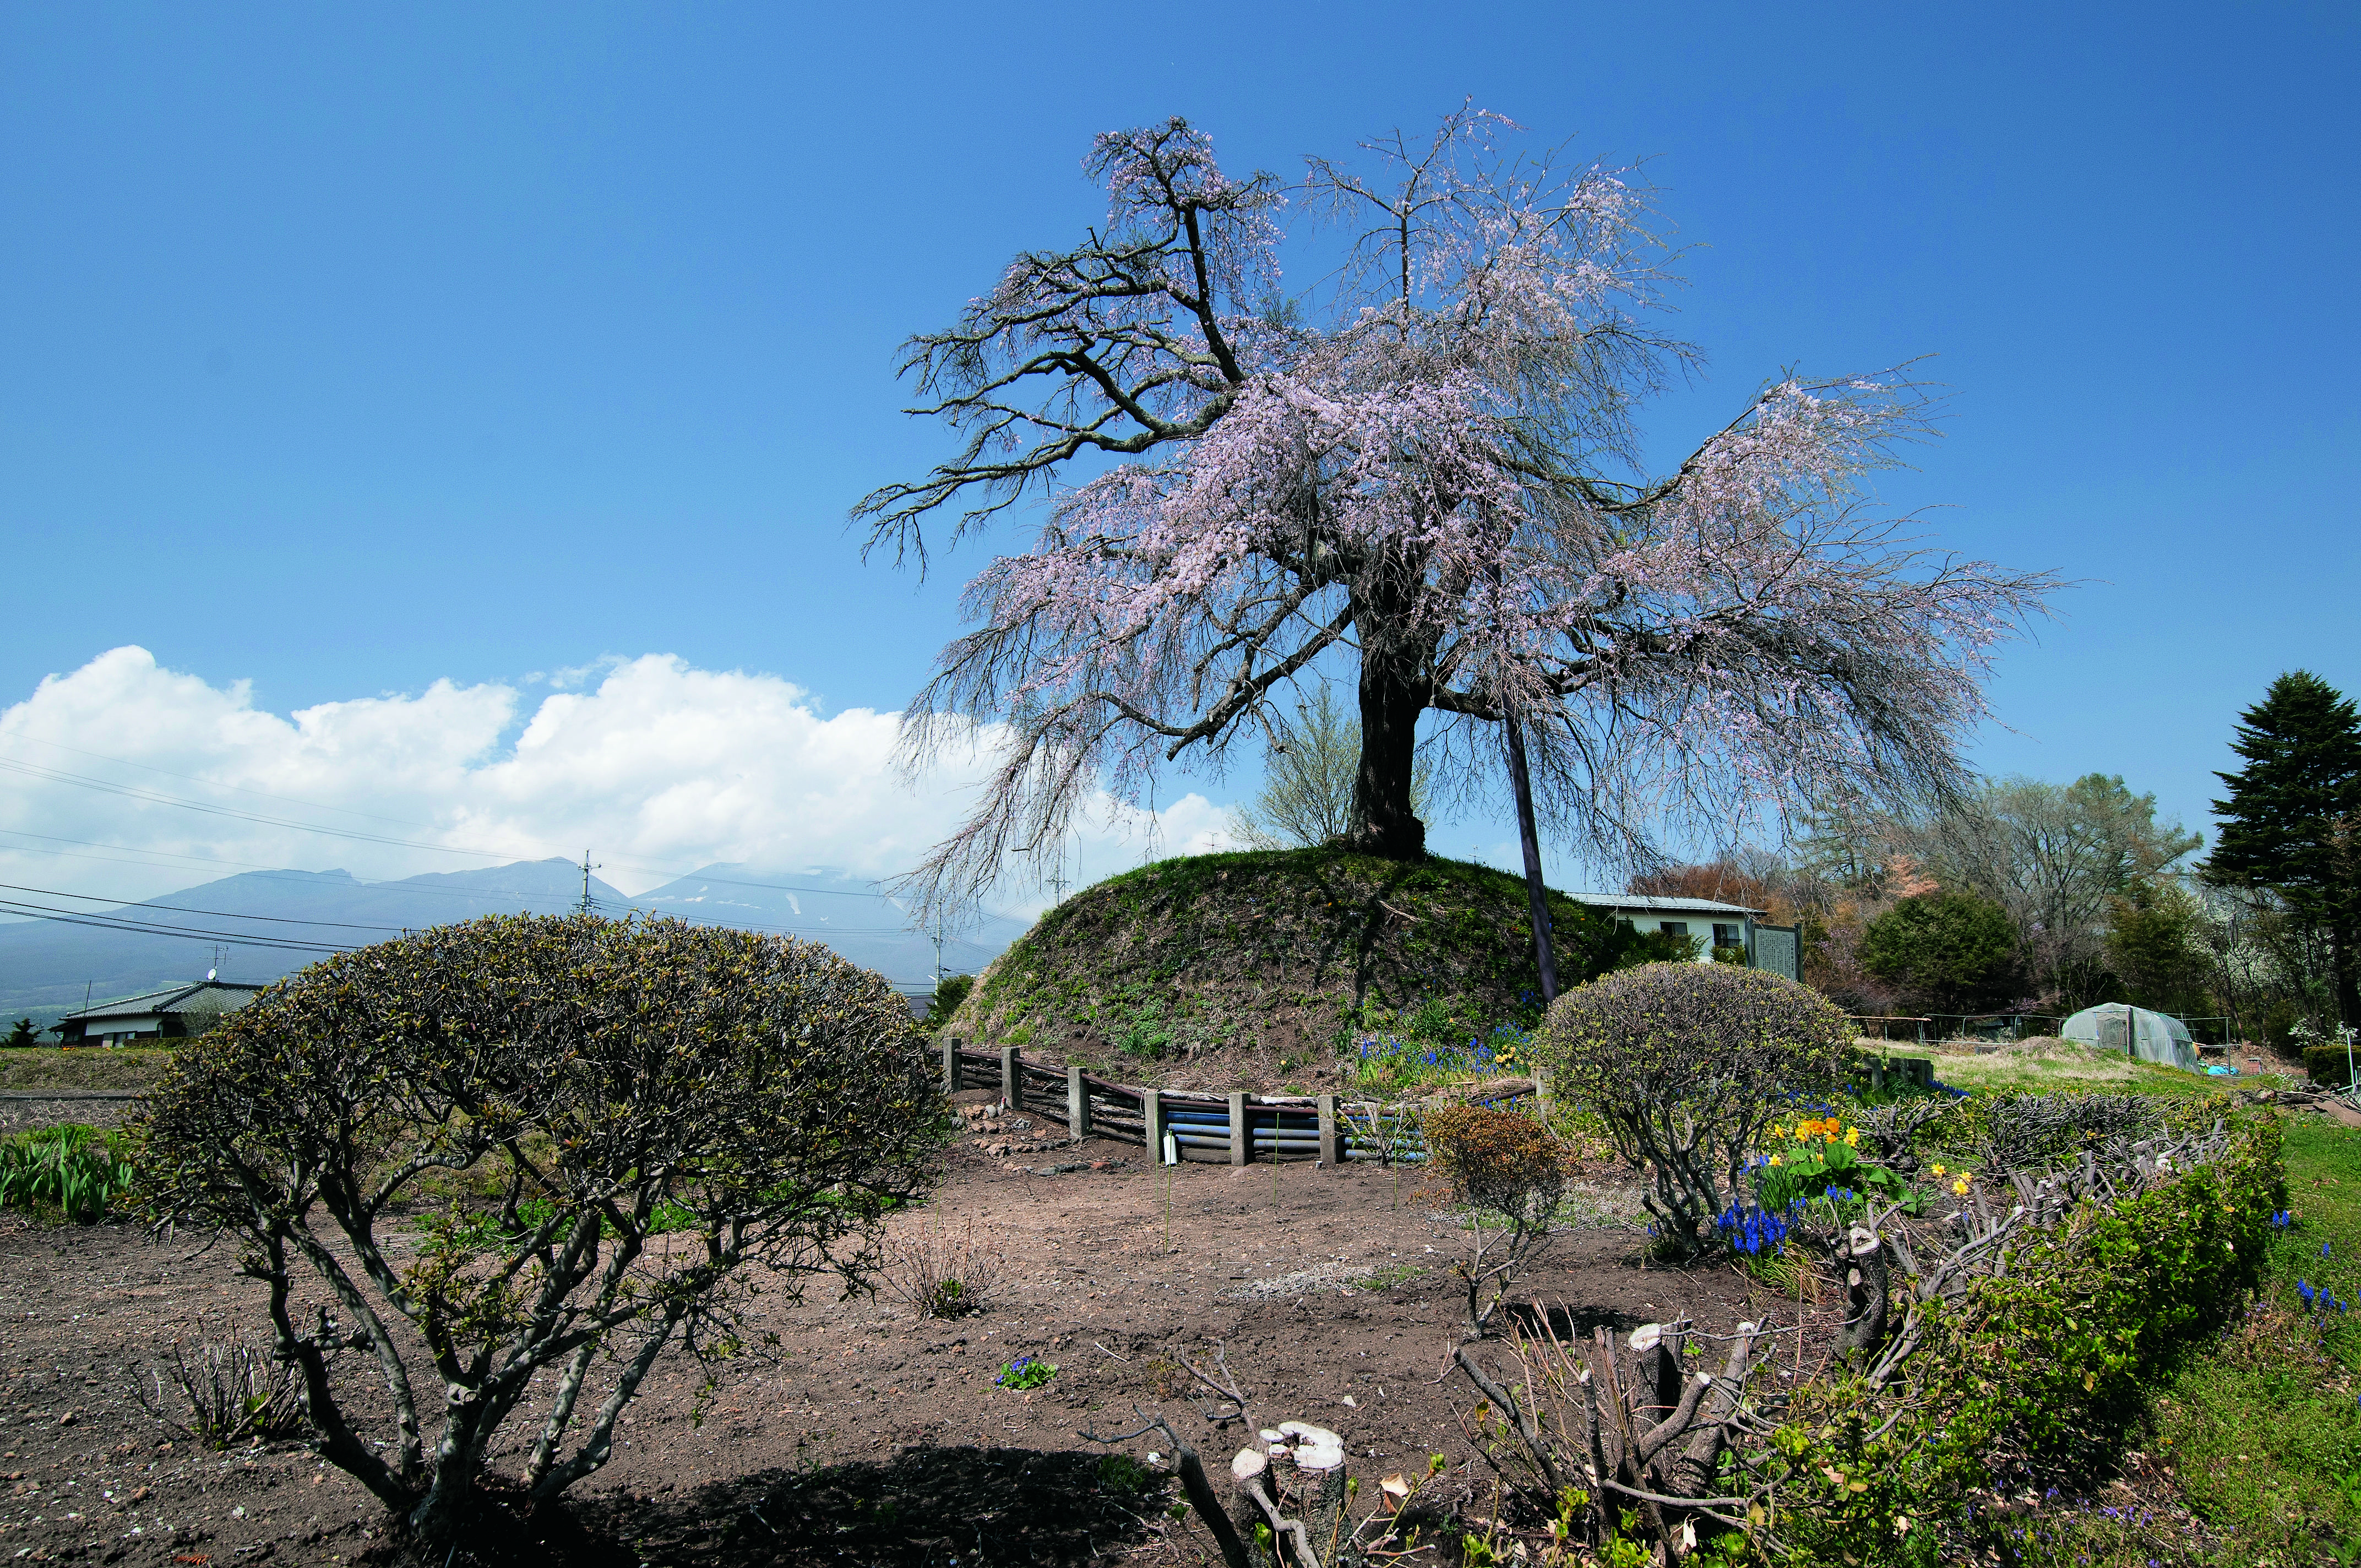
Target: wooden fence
[1238, 1128]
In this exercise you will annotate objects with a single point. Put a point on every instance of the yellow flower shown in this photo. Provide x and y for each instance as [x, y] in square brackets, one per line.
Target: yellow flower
[1775, 1159]
[1852, 1137]
[1940, 1171]
[1778, 1132]
[1961, 1187]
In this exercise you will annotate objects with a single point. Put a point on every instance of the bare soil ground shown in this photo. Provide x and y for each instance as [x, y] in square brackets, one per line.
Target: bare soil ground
[874, 1436]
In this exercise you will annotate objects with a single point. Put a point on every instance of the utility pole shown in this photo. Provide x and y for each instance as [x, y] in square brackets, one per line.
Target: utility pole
[1536, 891]
[586, 869]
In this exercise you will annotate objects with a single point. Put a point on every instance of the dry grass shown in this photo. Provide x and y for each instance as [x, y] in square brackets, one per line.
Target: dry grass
[2046, 1062]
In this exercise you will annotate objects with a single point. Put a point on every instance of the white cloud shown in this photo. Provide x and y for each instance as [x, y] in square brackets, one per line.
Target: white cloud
[655, 766]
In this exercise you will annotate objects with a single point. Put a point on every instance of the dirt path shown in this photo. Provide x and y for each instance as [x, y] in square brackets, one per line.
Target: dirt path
[875, 1437]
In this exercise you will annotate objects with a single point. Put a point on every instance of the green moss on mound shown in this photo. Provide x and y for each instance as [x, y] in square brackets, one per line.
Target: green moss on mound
[1279, 958]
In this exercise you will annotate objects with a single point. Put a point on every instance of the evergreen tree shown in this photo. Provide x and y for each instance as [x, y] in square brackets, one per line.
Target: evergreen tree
[2293, 811]
[1945, 952]
[23, 1034]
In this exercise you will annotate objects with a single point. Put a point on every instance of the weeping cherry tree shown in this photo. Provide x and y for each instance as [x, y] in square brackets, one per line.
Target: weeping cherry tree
[1425, 467]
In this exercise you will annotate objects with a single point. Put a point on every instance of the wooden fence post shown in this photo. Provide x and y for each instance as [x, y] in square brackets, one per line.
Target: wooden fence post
[1331, 1147]
[1012, 1079]
[1541, 1095]
[950, 1065]
[1151, 1122]
[1078, 1103]
[1240, 1144]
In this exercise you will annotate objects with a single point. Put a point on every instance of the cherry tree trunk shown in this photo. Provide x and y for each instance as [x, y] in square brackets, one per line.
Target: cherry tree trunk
[1393, 694]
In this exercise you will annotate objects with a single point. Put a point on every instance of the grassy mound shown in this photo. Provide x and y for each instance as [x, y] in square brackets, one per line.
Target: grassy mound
[1256, 969]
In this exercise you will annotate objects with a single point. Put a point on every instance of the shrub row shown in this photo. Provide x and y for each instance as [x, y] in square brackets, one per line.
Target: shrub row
[2039, 1372]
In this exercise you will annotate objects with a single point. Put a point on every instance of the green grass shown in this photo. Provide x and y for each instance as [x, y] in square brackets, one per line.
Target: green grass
[2262, 1427]
[71, 1172]
[2062, 1065]
[1280, 951]
[30, 1068]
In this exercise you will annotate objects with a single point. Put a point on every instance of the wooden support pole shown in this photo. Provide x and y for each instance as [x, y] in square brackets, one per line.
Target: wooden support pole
[1332, 1147]
[1240, 1144]
[1151, 1122]
[1541, 1095]
[1078, 1103]
[950, 1065]
[1012, 1079]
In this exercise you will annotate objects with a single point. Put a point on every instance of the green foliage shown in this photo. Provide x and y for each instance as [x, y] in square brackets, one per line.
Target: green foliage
[1126, 1477]
[2330, 1064]
[2154, 950]
[2261, 1428]
[2291, 825]
[1688, 1066]
[1817, 1160]
[2038, 1374]
[1026, 1372]
[2054, 857]
[1946, 952]
[73, 1171]
[479, 1232]
[1145, 1035]
[2301, 745]
[949, 992]
[615, 1078]
[22, 1034]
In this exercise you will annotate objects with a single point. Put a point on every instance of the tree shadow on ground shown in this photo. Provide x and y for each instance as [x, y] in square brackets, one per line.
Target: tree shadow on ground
[1570, 1322]
[926, 1508]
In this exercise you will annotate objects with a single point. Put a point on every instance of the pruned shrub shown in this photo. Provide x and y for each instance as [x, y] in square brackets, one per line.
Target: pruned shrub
[758, 1099]
[1510, 1168]
[937, 1277]
[230, 1392]
[1500, 1161]
[1687, 1065]
[2012, 1131]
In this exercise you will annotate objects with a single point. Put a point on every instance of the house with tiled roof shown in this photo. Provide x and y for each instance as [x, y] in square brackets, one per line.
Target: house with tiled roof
[1708, 923]
[174, 1014]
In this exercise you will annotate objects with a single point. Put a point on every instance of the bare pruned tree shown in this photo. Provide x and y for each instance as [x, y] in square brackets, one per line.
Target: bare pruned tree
[1426, 465]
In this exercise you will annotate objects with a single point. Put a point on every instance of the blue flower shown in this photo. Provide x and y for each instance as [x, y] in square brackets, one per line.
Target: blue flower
[2303, 1289]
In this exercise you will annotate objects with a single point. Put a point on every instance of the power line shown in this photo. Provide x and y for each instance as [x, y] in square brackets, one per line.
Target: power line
[159, 797]
[183, 909]
[138, 928]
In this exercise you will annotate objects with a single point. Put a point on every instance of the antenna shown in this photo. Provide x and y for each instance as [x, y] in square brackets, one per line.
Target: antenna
[586, 869]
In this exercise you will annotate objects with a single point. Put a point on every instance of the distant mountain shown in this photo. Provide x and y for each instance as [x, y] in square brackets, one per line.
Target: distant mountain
[852, 914]
[268, 924]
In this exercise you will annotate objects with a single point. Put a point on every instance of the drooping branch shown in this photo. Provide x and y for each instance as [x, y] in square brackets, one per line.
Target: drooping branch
[1430, 468]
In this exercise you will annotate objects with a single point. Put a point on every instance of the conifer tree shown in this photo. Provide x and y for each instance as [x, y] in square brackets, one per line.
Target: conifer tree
[2289, 823]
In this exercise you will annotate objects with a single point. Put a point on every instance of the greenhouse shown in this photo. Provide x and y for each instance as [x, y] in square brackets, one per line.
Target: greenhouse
[2120, 1027]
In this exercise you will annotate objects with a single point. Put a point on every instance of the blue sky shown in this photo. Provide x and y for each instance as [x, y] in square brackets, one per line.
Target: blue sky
[352, 351]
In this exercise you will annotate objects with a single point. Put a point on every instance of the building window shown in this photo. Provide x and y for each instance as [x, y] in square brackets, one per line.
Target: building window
[1673, 927]
[1728, 936]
